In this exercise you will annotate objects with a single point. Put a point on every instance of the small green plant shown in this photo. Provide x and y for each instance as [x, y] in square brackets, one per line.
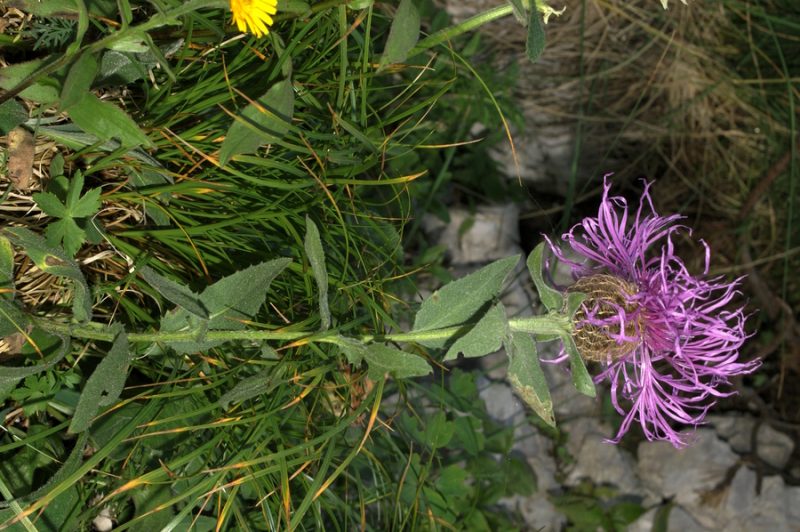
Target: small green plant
[52, 33]
[74, 211]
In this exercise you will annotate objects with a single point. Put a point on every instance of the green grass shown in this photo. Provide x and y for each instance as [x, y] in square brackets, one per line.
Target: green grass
[314, 448]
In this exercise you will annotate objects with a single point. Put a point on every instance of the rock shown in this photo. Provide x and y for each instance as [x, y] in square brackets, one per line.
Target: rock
[502, 403]
[774, 447]
[603, 463]
[104, 521]
[737, 430]
[488, 234]
[746, 511]
[685, 474]
[679, 520]
[538, 452]
[537, 511]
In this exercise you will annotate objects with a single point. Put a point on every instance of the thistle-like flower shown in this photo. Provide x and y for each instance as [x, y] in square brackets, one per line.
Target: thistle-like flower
[666, 340]
[254, 16]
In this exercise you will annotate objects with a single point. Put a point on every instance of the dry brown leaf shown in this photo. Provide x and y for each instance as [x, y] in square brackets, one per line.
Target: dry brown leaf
[20, 158]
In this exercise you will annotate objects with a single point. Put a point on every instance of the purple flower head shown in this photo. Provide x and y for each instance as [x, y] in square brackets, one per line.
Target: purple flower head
[667, 340]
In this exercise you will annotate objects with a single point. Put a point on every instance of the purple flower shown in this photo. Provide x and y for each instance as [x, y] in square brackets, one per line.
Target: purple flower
[666, 340]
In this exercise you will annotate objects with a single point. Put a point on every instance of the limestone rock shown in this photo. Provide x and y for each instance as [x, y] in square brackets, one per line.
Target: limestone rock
[489, 233]
[685, 474]
[774, 447]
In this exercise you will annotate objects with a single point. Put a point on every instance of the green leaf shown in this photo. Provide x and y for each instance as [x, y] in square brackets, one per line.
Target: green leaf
[105, 385]
[50, 204]
[87, 205]
[107, 121]
[263, 122]
[12, 114]
[520, 13]
[580, 377]
[316, 257]
[526, 376]
[65, 8]
[120, 68]
[384, 359]
[549, 296]
[47, 345]
[179, 320]
[438, 431]
[57, 166]
[12, 318]
[174, 292]
[294, 6]
[55, 262]
[79, 80]
[352, 349]
[403, 34]
[6, 268]
[261, 383]
[534, 45]
[574, 302]
[239, 296]
[40, 92]
[486, 337]
[457, 302]
[66, 233]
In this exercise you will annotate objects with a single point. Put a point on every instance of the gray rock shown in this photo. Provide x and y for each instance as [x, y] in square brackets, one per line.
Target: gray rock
[685, 474]
[538, 452]
[773, 446]
[604, 463]
[502, 403]
[736, 429]
[745, 510]
[537, 511]
[679, 520]
[489, 233]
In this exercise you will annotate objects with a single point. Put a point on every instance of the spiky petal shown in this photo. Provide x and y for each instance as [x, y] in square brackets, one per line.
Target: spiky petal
[254, 16]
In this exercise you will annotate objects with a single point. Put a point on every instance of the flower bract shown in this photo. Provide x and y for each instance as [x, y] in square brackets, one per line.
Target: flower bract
[667, 341]
[254, 16]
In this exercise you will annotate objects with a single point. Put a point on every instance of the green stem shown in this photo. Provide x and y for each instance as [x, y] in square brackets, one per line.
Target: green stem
[546, 325]
[97, 331]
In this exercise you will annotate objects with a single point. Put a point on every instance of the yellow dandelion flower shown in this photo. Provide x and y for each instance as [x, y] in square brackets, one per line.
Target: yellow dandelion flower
[253, 15]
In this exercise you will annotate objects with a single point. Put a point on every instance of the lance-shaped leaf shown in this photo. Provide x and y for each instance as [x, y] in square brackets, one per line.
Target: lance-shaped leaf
[105, 385]
[457, 302]
[6, 268]
[383, 359]
[107, 121]
[79, 80]
[550, 297]
[403, 34]
[316, 257]
[527, 378]
[486, 337]
[260, 383]
[534, 46]
[55, 262]
[47, 344]
[175, 292]
[263, 122]
[580, 376]
[240, 295]
[12, 319]
[229, 303]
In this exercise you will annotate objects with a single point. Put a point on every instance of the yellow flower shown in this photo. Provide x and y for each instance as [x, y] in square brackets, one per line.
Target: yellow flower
[253, 15]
